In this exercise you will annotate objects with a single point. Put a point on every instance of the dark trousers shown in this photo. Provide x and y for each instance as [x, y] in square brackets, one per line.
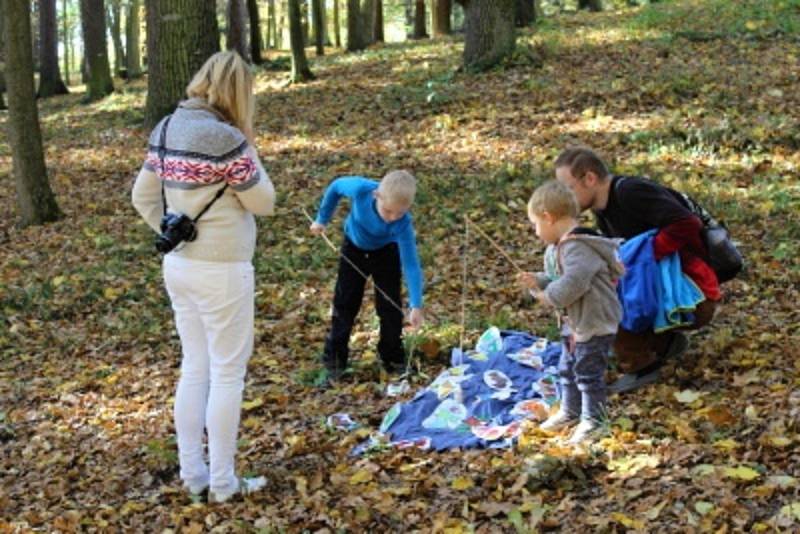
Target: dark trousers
[638, 350]
[582, 372]
[383, 265]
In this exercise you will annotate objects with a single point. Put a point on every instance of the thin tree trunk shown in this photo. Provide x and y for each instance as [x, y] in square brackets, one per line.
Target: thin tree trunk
[281, 26]
[93, 21]
[319, 27]
[181, 36]
[368, 21]
[271, 25]
[50, 82]
[355, 23]
[525, 13]
[115, 25]
[442, 10]
[2, 58]
[255, 32]
[66, 36]
[237, 28]
[377, 22]
[408, 6]
[490, 33]
[420, 31]
[337, 33]
[300, 70]
[133, 56]
[35, 200]
[306, 21]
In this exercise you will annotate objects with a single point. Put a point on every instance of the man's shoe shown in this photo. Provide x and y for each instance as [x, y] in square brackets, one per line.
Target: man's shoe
[558, 421]
[631, 381]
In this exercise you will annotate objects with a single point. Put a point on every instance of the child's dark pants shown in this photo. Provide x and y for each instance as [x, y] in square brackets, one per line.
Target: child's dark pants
[383, 265]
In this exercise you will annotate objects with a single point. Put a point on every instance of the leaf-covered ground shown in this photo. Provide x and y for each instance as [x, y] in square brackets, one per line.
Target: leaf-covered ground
[701, 95]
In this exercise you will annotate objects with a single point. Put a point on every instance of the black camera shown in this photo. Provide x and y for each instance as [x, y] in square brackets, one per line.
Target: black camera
[175, 227]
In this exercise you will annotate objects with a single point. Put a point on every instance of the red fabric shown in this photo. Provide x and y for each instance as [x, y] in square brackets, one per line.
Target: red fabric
[683, 236]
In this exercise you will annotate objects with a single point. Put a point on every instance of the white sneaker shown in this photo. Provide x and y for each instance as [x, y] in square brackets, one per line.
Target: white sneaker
[558, 421]
[247, 486]
[583, 432]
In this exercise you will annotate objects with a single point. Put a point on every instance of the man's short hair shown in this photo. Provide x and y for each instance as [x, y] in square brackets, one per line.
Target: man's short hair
[398, 187]
[554, 198]
[581, 160]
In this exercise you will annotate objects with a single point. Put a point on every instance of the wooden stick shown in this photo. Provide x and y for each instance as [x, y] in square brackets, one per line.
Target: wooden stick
[494, 244]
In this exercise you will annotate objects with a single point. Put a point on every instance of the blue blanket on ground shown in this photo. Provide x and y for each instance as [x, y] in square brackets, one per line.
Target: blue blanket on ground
[481, 400]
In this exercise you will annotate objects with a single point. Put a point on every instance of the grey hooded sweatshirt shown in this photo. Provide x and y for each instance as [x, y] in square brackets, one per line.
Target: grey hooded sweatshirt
[588, 266]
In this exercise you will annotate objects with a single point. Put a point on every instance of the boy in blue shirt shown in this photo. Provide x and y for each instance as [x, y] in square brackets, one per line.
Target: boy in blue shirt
[380, 241]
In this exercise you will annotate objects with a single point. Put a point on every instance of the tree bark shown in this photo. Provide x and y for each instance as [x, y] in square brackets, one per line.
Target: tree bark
[237, 28]
[368, 21]
[319, 27]
[420, 32]
[115, 25]
[35, 200]
[355, 27]
[442, 10]
[300, 70]
[490, 33]
[93, 21]
[337, 33]
[256, 43]
[377, 22]
[181, 36]
[50, 82]
[133, 55]
[271, 41]
[591, 5]
[525, 13]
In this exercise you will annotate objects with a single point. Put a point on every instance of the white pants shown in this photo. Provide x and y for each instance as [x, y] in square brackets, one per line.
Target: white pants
[214, 308]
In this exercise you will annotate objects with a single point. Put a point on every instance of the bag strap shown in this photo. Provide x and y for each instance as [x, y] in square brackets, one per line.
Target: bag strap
[162, 149]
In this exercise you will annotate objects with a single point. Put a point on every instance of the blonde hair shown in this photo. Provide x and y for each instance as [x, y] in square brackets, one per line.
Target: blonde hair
[226, 84]
[398, 187]
[554, 198]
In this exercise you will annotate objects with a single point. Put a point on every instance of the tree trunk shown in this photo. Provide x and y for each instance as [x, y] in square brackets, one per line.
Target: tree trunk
[525, 13]
[133, 55]
[591, 5]
[66, 35]
[93, 21]
[355, 27]
[271, 41]
[420, 31]
[237, 28]
[35, 200]
[377, 22]
[337, 33]
[368, 21]
[2, 58]
[300, 71]
[305, 19]
[442, 9]
[490, 33]
[255, 32]
[319, 28]
[50, 82]
[115, 25]
[408, 7]
[281, 25]
[181, 36]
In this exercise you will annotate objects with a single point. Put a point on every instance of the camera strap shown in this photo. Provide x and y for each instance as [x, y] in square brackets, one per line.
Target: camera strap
[162, 149]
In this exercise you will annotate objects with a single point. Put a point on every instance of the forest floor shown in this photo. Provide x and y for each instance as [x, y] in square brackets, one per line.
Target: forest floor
[700, 95]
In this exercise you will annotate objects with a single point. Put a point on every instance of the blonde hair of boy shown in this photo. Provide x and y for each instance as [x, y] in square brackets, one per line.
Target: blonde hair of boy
[398, 188]
[226, 84]
[554, 198]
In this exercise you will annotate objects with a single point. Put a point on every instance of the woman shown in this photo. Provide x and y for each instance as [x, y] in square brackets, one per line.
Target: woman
[202, 156]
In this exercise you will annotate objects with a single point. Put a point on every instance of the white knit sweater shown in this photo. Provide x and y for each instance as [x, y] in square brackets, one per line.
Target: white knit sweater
[203, 153]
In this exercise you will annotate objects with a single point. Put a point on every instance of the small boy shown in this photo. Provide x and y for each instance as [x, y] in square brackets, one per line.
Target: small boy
[379, 239]
[581, 269]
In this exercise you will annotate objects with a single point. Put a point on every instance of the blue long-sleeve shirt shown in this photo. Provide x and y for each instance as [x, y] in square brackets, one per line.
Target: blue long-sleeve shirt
[368, 231]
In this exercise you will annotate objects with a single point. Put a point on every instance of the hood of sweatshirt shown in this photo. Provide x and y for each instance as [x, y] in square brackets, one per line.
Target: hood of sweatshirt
[607, 248]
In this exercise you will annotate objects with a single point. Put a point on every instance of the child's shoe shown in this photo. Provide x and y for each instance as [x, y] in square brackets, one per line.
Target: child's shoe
[583, 432]
[561, 419]
[247, 486]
